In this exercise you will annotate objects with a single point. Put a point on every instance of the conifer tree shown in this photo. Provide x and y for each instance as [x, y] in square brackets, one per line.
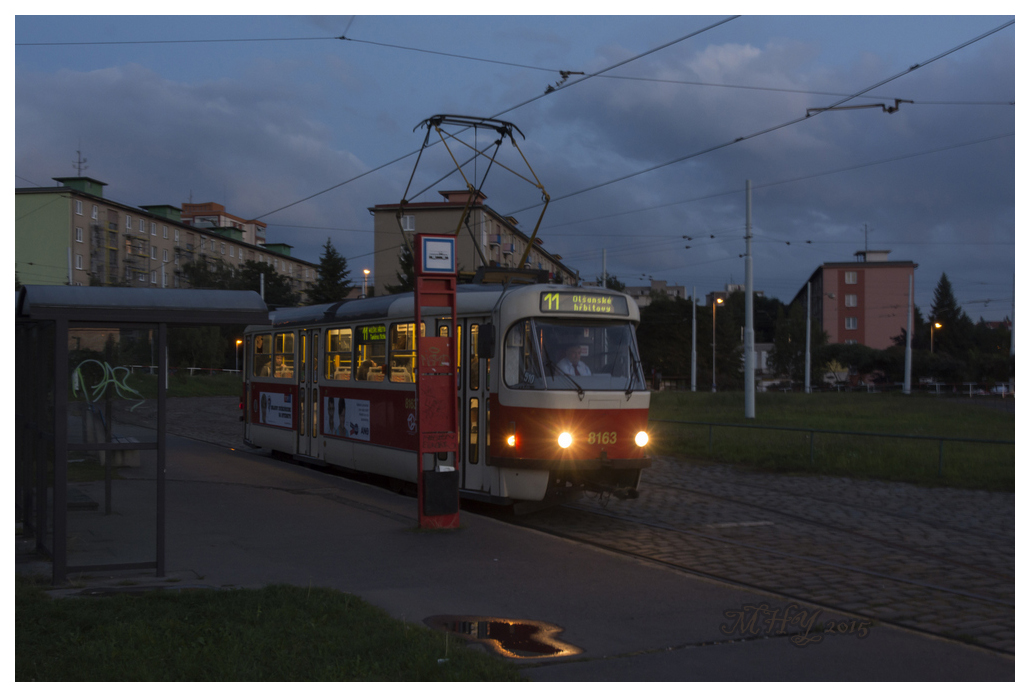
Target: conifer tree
[333, 282]
[406, 275]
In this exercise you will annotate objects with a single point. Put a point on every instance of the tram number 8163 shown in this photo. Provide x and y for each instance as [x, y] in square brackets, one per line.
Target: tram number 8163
[602, 437]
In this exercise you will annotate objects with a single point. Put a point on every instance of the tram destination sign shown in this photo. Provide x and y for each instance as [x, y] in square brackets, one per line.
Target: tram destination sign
[583, 303]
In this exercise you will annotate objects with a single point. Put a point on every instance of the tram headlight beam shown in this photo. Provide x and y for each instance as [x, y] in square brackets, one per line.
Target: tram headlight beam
[565, 439]
[641, 439]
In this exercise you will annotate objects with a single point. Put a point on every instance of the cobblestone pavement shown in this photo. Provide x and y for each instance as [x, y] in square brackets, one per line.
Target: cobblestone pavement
[214, 420]
[934, 559]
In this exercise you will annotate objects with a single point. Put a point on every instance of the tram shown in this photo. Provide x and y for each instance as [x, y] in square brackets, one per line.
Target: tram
[551, 392]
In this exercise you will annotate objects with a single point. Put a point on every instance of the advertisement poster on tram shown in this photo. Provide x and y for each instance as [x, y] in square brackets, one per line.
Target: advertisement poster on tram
[335, 416]
[277, 409]
[356, 422]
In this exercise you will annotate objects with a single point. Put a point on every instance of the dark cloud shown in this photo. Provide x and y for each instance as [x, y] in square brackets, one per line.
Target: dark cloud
[262, 131]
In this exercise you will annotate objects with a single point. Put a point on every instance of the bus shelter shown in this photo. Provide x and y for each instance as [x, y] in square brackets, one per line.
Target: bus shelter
[91, 380]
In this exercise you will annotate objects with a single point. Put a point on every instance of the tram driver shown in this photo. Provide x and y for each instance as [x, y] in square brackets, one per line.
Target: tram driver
[570, 363]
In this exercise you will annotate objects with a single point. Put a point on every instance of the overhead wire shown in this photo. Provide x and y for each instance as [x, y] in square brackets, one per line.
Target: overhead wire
[517, 106]
[771, 129]
[738, 190]
[798, 91]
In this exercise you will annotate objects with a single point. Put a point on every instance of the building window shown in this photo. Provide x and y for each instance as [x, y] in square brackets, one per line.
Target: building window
[142, 276]
[78, 234]
[164, 255]
[95, 213]
[851, 341]
[153, 252]
[851, 300]
[232, 251]
[78, 208]
[223, 248]
[176, 235]
[164, 231]
[128, 222]
[78, 261]
[851, 277]
[408, 223]
[851, 322]
[153, 277]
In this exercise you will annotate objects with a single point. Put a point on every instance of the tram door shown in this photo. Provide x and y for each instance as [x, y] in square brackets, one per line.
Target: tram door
[474, 394]
[307, 428]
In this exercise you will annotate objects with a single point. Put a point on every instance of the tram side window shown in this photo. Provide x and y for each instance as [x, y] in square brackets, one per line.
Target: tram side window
[370, 352]
[338, 354]
[284, 350]
[402, 353]
[474, 357]
[522, 368]
[262, 356]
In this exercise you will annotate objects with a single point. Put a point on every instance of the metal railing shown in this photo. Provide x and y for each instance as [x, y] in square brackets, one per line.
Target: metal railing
[941, 440]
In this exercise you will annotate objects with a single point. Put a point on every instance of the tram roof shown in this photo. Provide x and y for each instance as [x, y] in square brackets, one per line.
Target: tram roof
[473, 298]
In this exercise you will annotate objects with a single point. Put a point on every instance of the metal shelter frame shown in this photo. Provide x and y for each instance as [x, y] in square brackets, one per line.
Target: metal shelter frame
[45, 315]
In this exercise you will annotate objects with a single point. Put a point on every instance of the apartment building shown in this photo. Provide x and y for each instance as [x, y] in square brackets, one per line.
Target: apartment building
[861, 302]
[644, 294]
[213, 215]
[500, 243]
[72, 235]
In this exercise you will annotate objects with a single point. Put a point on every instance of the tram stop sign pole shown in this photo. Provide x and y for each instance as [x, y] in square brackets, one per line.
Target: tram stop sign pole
[436, 280]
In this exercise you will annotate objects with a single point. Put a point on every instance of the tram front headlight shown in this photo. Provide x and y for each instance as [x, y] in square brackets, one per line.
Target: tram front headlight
[641, 439]
[511, 441]
[565, 439]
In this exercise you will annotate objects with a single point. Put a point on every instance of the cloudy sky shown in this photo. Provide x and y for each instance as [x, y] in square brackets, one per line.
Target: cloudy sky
[652, 144]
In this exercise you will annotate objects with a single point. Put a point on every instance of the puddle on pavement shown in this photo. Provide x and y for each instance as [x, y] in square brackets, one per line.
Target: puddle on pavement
[510, 638]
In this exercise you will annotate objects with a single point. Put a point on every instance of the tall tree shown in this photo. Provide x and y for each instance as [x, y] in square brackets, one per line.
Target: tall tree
[955, 335]
[333, 282]
[613, 283]
[788, 355]
[406, 274]
[278, 287]
[208, 275]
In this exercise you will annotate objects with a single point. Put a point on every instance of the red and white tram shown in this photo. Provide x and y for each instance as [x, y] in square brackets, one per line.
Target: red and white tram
[551, 393]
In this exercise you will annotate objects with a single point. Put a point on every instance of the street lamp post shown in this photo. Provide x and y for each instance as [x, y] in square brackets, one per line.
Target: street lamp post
[716, 301]
[239, 342]
[933, 325]
[364, 292]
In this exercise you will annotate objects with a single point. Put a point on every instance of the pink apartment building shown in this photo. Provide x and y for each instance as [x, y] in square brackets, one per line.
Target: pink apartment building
[861, 302]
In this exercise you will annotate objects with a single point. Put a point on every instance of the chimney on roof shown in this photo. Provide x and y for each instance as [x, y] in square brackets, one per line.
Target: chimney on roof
[870, 255]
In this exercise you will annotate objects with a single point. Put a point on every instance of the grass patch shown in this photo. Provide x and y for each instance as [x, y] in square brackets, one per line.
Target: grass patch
[966, 465]
[280, 633]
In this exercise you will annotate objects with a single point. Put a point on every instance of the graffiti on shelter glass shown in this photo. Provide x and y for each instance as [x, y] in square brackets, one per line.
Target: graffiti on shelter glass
[114, 377]
[755, 620]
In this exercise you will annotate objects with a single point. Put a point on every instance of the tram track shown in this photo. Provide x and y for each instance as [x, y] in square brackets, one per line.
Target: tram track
[935, 524]
[887, 585]
[838, 528]
[787, 555]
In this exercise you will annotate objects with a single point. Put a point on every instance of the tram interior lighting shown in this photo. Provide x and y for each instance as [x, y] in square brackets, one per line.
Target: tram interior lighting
[641, 439]
[565, 439]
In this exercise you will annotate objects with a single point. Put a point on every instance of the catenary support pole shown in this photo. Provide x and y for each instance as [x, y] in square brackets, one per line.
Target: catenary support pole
[908, 341]
[808, 340]
[749, 320]
[693, 340]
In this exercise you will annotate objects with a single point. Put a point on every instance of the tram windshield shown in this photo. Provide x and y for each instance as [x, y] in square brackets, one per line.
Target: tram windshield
[573, 354]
